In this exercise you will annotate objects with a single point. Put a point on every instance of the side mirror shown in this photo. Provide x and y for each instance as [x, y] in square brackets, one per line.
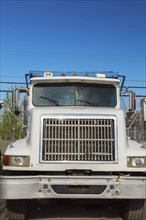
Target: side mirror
[132, 101]
[144, 109]
[15, 95]
[15, 101]
[15, 98]
[1, 104]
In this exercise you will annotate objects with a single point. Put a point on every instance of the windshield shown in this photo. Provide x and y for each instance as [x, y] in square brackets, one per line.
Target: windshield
[74, 94]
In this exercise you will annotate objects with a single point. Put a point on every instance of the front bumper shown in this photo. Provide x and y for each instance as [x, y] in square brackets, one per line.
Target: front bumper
[93, 187]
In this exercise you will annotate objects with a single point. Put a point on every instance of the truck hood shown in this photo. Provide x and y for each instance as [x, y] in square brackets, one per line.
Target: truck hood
[78, 110]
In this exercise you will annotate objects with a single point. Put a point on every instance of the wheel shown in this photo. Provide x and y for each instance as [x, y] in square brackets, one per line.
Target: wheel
[0, 161]
[133, 209]
[3, 210]
[17, 209]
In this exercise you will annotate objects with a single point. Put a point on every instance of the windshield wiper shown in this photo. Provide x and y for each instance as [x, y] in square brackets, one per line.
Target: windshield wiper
[51, 100]
[89, 103]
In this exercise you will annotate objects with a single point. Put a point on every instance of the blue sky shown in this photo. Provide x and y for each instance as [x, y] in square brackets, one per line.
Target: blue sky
[78, 35]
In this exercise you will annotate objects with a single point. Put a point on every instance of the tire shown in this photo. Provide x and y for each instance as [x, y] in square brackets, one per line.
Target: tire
[0, 161]
[17, 209]
[3, 210]
[133, 209]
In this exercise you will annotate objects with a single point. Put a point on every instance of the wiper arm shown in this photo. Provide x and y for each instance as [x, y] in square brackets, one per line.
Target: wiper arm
[90, 103]
[51, 100]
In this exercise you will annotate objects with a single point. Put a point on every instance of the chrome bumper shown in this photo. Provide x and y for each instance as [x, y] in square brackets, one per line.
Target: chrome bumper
[94, 187]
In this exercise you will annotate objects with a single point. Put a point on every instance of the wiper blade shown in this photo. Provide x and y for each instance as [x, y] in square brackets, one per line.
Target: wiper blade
[89, 103]
[51, 100]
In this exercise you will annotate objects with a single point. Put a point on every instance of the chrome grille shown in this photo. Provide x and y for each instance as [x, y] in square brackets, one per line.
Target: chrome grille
[78, 139]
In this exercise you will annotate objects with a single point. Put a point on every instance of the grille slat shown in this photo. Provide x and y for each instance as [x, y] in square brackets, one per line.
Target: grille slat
[82, 139]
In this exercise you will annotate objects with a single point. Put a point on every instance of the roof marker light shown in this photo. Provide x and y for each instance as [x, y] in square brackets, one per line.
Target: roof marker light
[112, 77]
[63, 74]
[86, 75]
[74, 74]
[48, 74]
[100, 75]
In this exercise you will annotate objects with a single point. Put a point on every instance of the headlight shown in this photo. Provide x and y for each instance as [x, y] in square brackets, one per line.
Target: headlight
[18, 161]
[136, 162]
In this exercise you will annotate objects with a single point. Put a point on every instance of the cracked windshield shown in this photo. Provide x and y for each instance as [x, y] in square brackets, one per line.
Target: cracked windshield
[74, 94]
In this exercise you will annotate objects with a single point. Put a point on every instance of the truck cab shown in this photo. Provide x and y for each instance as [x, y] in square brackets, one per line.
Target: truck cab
[76, 146]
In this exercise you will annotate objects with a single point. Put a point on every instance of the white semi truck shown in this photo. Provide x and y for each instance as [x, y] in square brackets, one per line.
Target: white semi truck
[76, 147]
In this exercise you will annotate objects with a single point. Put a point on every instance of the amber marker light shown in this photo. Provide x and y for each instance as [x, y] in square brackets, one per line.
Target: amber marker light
[7, 160]
[35, 75]
[63, 74]
[74, 74]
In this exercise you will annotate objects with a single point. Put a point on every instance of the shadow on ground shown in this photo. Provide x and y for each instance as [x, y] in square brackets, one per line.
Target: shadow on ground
[68, 209]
